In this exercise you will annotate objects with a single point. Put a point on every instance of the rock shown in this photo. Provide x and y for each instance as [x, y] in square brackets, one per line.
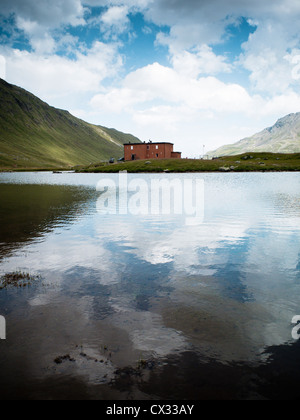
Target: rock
[224, 169]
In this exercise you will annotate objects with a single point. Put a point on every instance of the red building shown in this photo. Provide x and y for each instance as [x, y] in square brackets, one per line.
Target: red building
[143, 151]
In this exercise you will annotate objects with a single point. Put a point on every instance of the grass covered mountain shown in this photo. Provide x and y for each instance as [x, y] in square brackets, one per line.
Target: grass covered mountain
[36, 135]
[283, 137]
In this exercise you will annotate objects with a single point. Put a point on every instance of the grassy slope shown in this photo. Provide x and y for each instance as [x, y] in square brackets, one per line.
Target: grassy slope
[241, 163]
[33, 134]
[283, 137]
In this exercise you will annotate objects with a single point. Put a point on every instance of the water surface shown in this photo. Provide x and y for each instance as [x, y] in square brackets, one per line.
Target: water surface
[146, 306]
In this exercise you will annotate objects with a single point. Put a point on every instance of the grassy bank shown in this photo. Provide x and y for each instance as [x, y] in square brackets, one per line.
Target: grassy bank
[45, 169]
[251, 162]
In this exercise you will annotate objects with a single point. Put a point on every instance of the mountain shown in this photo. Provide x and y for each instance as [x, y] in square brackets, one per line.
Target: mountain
[283, 137]
[36, 135]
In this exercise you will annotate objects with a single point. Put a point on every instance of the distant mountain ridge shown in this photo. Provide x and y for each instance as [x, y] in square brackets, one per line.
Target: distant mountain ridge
[282, 137]
[36, 135]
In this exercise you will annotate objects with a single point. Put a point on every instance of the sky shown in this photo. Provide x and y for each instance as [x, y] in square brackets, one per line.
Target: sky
[197, 73]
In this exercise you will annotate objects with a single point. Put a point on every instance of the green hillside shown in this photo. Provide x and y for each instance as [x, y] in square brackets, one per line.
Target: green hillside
[36, 135]
[255, 162]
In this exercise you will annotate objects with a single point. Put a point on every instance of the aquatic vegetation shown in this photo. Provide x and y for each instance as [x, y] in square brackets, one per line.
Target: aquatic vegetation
[59, 360]
[18, 279]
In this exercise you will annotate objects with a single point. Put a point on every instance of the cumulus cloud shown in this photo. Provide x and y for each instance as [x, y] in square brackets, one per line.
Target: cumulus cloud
[41, 41]
[177, 12]
[201, 61]
[129, 3]
[55, 77]
[157, 82]
[115, 15]
[115, 20]
[193, 24]
[37, 19]
[172, 104]
[47, 13]
[268, 58]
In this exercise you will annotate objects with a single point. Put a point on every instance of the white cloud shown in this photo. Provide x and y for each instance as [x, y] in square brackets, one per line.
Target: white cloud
[37, 19]
[267, 57]
[201, 61]
[177, 13]
[53, 78]
[116, 15]
[118, 100]
[115, 21]
[41, 41]
[2, 67]
[164, 115]
[282, 105]
[194, 24]
[156, 82]
[47, 13]
[129, 3]
[294, 60]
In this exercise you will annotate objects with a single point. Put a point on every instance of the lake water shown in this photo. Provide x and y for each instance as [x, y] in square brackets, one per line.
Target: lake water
[142, 306]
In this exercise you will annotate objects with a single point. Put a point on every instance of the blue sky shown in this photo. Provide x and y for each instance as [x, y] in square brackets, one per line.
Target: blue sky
[192, 72]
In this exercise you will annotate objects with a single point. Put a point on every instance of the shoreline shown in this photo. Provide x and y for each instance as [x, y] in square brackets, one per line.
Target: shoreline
[247, 162]
[151, 172]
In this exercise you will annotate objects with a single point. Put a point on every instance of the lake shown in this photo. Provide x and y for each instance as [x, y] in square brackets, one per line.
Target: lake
[131, 304]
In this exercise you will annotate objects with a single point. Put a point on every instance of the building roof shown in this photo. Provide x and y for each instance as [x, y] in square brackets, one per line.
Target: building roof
[139, 144]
